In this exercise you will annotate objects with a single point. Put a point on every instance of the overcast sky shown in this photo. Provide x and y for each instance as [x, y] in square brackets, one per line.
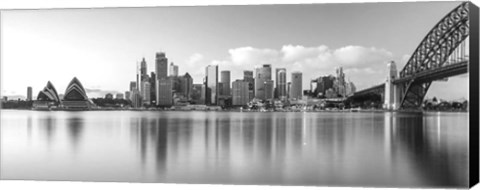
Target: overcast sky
[102, 46]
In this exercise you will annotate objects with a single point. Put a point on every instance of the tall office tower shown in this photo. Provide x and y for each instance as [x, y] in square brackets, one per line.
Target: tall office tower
[173, 70]
[289, 89]
[127, 95]
[153, 86]
[29, 93]
[211, 82]
[143, 70]
[240, 94]
[186, 85]
[269, 90]
[296, 87]
[161, 65]
[146, 93]
[225, 80]
[133, 86]
[164, 92]
[248, 77]
[340, 82]
[163, 88]
[136, 99]
[281, 83]
[262, 74]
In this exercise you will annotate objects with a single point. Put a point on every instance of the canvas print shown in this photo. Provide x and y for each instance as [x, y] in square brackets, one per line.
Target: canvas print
[357, 95]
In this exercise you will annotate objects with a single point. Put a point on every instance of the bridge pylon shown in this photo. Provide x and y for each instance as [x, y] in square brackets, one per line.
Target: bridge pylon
[392, 91]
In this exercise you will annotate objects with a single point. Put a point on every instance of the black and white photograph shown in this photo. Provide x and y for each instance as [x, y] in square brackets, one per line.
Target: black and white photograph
[374, 95]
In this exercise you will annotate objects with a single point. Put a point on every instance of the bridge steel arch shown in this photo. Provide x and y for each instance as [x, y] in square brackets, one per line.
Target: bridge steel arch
[432, 53]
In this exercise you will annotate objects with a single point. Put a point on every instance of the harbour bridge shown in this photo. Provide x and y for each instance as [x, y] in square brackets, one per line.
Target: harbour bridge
[442, 53]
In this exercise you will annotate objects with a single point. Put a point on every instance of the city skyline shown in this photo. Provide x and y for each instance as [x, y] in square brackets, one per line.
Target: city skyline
[359, 53]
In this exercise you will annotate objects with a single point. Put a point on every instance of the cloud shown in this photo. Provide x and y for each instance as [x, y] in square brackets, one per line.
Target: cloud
[249, 55]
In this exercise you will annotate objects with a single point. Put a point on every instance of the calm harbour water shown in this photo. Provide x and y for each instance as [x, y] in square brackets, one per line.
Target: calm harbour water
[327, 149]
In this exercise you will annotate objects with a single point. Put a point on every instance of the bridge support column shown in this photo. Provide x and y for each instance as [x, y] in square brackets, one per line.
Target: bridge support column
[392, 91]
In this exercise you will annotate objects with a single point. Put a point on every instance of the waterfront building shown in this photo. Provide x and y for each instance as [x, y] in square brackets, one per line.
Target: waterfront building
[296, 86]
[29, 93]
[197, 97]
[164, 92]
[240, 93]
[280, 83]
[211, 96]
[136, 99]
[46, 98]
[153, 85]
[109, 96]
[187, 85]
[145, 93]
[323, 84]
[350, 88]
[173, 70]
[248, 77]
[133, 85]
[225, 80]
[269, 90]
[262, 74]
[75, 96]
[119, 96]
[127, 95]
[163, 83]
[4, 98]
[289, 87]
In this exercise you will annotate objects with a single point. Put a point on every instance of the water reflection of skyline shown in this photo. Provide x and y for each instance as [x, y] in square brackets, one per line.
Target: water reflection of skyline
[355, 149]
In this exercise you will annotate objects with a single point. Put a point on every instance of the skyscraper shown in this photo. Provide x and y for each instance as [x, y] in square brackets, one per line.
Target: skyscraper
[296, 89]
[187, 85]
[143, 70]
[240, 94]
[127, 95]
[289, 89]
[29, 93]
[269, 90]
[248, 77]
[164, 92]
[225, 80]
[133, 85]
[153, 87]
[173, 70]
[211, 81]
[262, 74]
[146, 92]
[281, 83]
[136, 99]
[161, 65]
[163, 83]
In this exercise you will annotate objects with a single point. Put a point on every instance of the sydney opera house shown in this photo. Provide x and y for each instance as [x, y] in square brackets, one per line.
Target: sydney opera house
[75, 98]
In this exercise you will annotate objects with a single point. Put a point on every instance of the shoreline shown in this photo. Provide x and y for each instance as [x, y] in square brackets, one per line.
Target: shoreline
[253, 111]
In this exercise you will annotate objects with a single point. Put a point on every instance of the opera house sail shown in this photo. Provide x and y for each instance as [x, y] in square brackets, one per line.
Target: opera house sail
[75, 96]
[47, 98]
